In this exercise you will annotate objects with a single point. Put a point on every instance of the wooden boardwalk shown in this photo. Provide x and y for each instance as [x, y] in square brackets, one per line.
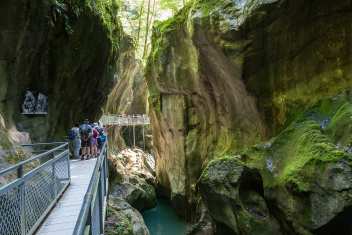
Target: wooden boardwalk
[63, 217]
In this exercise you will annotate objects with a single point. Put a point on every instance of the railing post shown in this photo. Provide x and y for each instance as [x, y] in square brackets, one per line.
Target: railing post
[68, 163]
[106, 173]
[20, 171]
[22, 193]
[23, 208]
[54, 188]
[89, 221]
[101, 203]
[134, 136]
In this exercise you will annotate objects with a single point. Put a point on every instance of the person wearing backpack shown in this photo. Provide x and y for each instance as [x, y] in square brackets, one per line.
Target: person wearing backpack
[101, 139]
[75, 138]
[94, 140]
[86, 134]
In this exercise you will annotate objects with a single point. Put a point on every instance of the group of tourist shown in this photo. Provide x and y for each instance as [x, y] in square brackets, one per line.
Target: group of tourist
[87, 140]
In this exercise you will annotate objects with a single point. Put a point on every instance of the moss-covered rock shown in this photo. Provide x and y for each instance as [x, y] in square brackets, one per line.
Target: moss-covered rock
[123, 219]
[303, 177]
[234, 196]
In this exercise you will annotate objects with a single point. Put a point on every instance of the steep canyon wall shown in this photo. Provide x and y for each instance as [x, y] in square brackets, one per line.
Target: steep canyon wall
[226, 75]
[66, 50]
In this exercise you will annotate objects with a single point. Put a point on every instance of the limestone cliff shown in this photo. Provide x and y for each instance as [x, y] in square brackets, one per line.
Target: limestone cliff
[65, 49]
[129, 95]
[224, 75]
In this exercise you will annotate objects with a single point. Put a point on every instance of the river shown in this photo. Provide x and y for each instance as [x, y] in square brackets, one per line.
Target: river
[162, 220]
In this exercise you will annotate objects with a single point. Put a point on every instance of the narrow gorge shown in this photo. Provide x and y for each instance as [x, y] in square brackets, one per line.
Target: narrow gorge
[249, 101]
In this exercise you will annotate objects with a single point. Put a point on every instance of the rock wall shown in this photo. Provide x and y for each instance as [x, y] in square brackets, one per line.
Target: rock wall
[297, 183]
[129, 96]
[225, 75]
[64, 49]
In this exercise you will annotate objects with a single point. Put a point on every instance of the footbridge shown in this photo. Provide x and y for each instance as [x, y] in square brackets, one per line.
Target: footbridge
[125, 120]
[51, 194]
[134, 120]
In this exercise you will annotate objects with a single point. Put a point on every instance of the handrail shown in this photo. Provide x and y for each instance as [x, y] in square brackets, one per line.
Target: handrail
[25, 202]
[37, 144]
[18, 165]
[97, 189]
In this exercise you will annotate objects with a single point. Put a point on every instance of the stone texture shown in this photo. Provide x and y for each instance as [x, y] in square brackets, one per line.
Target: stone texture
[132, 179]
[64, 49]
[226, 75]
[123, 219]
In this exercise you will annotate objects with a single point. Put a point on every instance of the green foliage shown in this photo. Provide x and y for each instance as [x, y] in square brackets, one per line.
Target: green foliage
[174, 5]
[106, 10]
[301, 152]
[340, 127]
[121, 227]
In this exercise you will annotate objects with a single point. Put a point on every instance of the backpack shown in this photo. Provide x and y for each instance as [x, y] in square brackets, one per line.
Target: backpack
[86, 129]
[71, 134]
[95, 133]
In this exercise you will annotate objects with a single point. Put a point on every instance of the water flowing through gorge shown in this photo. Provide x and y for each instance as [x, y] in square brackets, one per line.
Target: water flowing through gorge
[163, 220]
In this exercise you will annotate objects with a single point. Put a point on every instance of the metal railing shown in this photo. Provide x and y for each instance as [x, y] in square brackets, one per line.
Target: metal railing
[93, 211]
[29, 196]
[125, 120]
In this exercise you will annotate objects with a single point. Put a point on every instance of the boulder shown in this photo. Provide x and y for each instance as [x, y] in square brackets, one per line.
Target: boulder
[123, 219]
[134, 178]
[234, 196]
[136, 192]
[300, 182]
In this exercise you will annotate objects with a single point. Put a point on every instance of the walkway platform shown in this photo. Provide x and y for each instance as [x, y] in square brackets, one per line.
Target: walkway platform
[64, 216]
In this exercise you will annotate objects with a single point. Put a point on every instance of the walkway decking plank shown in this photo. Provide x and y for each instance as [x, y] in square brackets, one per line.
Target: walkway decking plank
[63, 217]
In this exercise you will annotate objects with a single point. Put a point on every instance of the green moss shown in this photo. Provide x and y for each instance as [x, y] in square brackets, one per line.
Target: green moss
[297, 156]
[5, 143]
[106, 10]
[340, 126]
[122, 226]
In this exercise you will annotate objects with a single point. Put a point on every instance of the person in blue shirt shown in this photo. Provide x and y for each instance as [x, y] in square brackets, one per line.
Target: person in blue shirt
[86, 132]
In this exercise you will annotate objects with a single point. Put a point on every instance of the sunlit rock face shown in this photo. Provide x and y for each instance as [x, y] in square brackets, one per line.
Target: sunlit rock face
[129, 96]
[66, 51]
[132, 180]
[225, 75]
[200, 107]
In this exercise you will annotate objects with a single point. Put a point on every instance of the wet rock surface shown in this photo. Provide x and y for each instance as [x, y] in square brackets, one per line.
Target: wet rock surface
[132, 190]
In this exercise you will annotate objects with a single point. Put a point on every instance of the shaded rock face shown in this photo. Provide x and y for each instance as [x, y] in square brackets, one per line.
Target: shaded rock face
[234, 196]
[224, 75]
[300, 180]
[66, 50]
[298, 53]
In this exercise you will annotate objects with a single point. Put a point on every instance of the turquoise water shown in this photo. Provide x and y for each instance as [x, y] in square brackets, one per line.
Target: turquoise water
[162, 220]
